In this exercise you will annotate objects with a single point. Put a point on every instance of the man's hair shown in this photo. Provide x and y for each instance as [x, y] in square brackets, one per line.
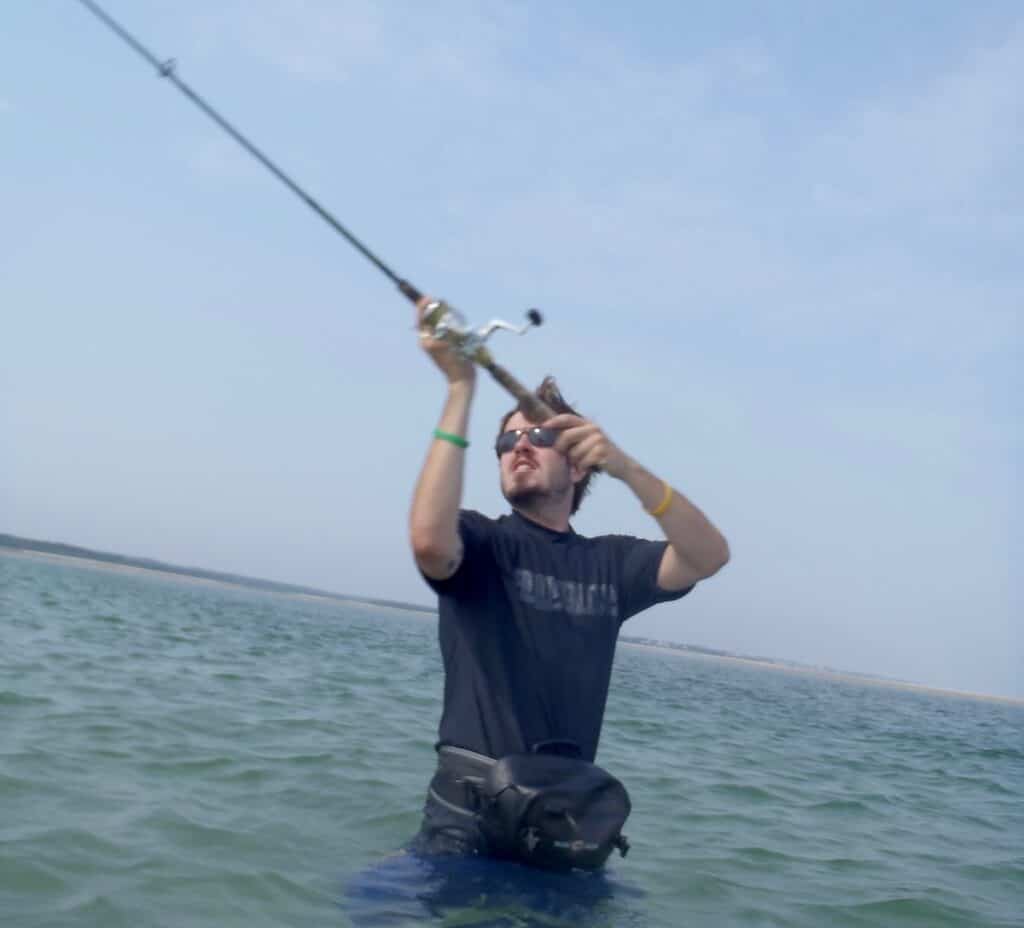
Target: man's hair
[548, 391]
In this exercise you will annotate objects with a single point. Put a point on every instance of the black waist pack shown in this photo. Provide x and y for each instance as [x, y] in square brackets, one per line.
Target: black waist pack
[553, 812]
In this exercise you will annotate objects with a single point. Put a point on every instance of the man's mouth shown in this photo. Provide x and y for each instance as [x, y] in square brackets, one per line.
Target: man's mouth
[523, 463]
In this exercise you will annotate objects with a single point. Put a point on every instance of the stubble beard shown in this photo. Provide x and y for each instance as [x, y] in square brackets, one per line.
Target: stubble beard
[538, 498]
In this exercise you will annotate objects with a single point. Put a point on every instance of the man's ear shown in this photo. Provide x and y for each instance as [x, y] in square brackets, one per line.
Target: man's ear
[577, 473]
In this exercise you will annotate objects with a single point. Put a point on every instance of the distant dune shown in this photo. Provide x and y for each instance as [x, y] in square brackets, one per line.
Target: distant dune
[104, 560]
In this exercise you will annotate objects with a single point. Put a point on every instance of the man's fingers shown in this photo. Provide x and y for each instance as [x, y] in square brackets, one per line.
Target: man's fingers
[571, 437]
[590, 452]
[564, 420]
[421, 307]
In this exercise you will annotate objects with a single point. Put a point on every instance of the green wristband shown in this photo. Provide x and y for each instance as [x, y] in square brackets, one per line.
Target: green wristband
[456, 440]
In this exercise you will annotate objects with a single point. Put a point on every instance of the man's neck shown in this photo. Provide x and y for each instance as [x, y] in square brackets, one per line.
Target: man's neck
[556, 521]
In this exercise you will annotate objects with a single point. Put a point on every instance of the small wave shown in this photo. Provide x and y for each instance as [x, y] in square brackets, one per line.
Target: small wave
[744, 792]
[16, 786]
[248, 777]
[390, 821]
[19, 875]
[309, 760]
[999, 754]
[198, 837]
[111, 618]
[73, 841]
[841, 806]
[95, 910]
[765, 856]
[11, 698]
[197, 765]
[902, 911]
[1009, 871]
[848, 865]
[980, 782]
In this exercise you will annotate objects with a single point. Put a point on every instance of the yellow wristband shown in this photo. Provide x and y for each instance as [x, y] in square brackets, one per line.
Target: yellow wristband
[662, 507]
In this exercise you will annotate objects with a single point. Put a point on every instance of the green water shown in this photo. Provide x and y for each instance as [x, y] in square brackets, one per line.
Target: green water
[180, 754]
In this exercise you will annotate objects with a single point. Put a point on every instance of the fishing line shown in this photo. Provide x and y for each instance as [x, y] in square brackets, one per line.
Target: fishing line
[441, 319]
[168, 69]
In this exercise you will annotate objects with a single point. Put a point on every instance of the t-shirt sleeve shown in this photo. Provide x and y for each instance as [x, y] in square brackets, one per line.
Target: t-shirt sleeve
[475, 531]
[640, 562]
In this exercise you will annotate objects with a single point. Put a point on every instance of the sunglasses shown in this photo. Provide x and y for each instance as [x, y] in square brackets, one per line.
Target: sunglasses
[539, 438]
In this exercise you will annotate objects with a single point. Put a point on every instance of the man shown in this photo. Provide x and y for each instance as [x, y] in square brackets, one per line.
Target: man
[529, 611]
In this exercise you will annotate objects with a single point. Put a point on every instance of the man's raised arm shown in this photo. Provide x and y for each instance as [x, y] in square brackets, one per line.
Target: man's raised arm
[434, 515]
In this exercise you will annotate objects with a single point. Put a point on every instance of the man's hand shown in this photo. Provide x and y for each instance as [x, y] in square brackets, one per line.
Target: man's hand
[587, 446]
[453, 365]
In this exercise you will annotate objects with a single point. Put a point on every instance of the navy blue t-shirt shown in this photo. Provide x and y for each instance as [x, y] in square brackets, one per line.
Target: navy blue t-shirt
[528, 625]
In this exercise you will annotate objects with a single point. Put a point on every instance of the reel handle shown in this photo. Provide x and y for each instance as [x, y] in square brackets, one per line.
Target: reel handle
[529, 403]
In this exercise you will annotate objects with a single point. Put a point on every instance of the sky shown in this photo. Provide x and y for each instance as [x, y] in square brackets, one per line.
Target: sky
[778, 248]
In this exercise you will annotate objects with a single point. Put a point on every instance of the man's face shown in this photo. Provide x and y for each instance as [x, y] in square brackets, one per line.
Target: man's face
[530, 474]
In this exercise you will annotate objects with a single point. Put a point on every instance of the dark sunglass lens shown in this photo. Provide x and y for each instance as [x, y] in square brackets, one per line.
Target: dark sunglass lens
[543, 438]
[539, 438]
[506, 442]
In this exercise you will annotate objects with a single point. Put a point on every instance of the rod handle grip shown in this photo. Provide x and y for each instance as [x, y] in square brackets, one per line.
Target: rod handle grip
[531, 406]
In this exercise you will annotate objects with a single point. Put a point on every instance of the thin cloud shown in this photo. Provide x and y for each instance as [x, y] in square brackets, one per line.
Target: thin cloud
[953, 141]
[220, 159]
[332, 42]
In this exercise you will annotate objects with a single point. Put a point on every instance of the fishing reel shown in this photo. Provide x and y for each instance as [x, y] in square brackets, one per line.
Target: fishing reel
[447, 323]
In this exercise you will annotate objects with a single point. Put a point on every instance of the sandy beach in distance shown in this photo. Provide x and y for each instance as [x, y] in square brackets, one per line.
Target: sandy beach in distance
[824, 674]
[116, 568]
[817, 672]
[93, 564]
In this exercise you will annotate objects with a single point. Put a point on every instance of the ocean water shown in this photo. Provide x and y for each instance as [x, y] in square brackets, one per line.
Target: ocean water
[174, 753]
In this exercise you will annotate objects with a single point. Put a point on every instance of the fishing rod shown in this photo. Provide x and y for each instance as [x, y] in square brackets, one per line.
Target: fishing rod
[439, 318]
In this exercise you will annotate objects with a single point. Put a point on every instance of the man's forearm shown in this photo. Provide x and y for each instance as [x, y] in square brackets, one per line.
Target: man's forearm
[433, 518]
[699, 547]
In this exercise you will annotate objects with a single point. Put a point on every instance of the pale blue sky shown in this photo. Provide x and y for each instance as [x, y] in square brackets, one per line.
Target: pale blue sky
[778, 246]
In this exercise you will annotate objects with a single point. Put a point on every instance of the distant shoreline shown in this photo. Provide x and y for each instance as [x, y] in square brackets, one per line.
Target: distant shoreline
[126, 565]
[118, 564]
[824, 673]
